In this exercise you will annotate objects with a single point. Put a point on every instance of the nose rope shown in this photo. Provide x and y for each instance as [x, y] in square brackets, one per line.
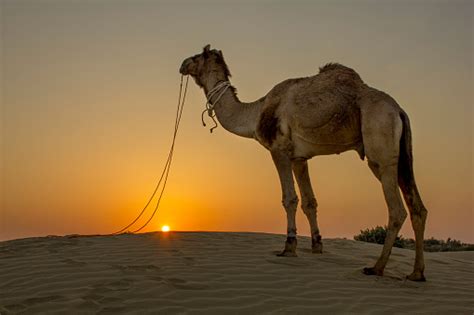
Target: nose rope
[166, 170]
[218, 90]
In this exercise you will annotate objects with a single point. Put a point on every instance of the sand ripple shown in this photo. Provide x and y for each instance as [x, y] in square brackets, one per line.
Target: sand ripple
[232, 273]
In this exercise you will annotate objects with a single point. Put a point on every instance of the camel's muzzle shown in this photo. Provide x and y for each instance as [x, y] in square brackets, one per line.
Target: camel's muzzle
[184, 67]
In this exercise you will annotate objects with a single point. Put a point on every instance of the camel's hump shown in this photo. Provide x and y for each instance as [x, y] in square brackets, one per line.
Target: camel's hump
[334, 66]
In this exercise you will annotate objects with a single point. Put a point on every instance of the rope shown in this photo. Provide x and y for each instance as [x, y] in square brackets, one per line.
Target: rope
[166, 170]
[221, 87]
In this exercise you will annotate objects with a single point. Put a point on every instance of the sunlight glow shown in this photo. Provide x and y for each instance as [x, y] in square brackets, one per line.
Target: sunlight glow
[165, 228]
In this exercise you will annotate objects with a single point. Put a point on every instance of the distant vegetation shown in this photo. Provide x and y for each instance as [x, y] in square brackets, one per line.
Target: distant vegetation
[377, 235]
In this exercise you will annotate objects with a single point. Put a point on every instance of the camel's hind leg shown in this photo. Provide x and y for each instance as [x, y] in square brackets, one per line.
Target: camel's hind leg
[381, 132]
[418, 212]
[308, 202]
[289, 200]
[396, 213]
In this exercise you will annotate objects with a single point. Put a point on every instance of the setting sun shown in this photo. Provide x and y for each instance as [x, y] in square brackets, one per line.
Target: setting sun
[165, 228]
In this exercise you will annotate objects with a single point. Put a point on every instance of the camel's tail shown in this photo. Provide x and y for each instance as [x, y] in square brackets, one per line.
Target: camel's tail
[406, 177]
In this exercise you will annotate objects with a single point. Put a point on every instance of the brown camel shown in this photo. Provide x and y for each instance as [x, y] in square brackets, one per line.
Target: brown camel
[328, 113]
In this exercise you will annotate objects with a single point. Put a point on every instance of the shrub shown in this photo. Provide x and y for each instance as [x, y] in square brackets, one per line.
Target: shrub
[450, 245]
[377, 235]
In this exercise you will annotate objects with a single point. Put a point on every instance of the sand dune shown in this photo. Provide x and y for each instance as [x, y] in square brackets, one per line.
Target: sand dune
[208, 272]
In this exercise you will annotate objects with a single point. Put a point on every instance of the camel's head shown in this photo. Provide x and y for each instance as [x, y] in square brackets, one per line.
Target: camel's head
[210, 61]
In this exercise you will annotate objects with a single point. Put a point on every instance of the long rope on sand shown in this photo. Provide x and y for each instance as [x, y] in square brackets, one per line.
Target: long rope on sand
[166, 170]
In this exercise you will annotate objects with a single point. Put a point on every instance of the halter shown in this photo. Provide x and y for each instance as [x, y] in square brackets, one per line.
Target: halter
[218, 90]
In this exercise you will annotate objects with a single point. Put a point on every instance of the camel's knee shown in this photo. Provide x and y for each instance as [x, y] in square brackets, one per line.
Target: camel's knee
[422, 213]
[309, 205]
[290, 203]
[418, 218]
[397, 218]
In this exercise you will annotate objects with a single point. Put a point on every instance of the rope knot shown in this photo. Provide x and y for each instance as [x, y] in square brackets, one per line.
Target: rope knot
[218, 90]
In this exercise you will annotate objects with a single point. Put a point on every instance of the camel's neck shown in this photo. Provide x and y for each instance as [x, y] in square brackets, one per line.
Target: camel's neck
[235, 116]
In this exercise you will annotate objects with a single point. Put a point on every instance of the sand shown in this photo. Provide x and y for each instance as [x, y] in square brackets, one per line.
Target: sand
[222, 273]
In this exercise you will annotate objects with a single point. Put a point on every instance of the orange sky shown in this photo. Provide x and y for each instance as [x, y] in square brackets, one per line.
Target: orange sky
[89, 92]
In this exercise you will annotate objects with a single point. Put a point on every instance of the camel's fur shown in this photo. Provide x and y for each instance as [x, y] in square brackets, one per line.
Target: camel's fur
[328, 113]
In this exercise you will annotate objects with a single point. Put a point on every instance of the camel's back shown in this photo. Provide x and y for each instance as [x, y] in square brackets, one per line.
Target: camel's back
[320, 109]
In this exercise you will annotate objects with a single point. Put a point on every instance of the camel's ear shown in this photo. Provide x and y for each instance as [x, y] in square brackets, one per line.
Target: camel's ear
[206, 50]
[220, 53]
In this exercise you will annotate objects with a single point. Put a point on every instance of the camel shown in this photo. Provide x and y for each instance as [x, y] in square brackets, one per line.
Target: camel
[328, 113]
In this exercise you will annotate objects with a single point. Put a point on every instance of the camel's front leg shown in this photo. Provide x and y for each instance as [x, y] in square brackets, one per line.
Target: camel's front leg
[308, 202]
[290, 200]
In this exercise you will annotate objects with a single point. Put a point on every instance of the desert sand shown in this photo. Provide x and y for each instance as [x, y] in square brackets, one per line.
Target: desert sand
[211, 272]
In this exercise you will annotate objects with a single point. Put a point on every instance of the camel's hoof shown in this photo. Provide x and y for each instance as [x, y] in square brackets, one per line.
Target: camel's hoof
[372, 271]
[416, 276]
[316, 245]
[290, 247]
[317, 248]
[287, 253]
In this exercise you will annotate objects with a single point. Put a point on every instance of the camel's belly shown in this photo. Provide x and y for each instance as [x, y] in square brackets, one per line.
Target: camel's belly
[306, 149]
[340, 133]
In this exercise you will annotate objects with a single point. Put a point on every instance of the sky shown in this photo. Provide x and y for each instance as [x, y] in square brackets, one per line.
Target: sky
[89, 92]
